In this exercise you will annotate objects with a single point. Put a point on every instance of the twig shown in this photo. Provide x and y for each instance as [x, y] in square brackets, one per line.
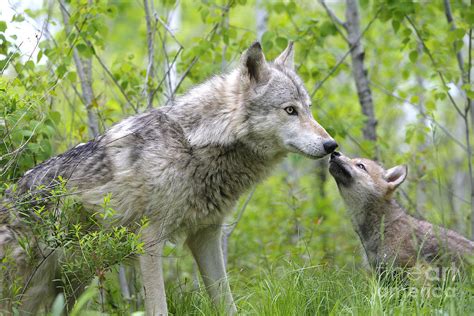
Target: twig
[35, 269]
[440, 74]
[102, 64]
[444, 129]
[332, 15]
[196, 58]
[241, 212]
[335, 20]
[319, 84]
[170, 32]
[167, 72]
[449, 17]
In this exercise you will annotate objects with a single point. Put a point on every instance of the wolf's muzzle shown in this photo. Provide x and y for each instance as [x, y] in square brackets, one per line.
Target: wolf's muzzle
[330, 146]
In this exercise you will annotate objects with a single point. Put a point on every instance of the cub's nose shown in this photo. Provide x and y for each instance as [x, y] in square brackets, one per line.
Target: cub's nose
[330, 146]
[335, 154]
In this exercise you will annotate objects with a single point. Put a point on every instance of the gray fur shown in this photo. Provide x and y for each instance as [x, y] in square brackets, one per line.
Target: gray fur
[184, 166]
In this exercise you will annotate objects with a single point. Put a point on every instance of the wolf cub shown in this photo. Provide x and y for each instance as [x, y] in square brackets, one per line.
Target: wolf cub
[389, 235]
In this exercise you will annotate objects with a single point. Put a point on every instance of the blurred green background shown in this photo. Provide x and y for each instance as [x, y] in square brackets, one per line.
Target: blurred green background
[296, 218]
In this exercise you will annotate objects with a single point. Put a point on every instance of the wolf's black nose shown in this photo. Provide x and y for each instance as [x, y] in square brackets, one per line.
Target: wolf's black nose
[330, 146]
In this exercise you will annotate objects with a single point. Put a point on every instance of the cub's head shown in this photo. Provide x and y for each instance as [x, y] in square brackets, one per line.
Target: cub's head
[278, 106]
[363, 181]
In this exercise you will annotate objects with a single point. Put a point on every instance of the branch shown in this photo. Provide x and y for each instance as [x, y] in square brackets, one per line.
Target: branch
[102, 64]
[196, 58]
[168, 30]
[319, 84]
[241, 212]
[449, 17]
[170, 67]
[444, 129]
[228, 230]
[337, 22]
[440, 74]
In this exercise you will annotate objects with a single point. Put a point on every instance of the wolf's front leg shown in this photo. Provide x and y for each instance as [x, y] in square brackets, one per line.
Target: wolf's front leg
[152, 274]
[206, 248]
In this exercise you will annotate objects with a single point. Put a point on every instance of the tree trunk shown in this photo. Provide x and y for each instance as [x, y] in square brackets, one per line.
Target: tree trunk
[84, 71]
[465, 80]
[261, 16]
[360, 74]
[174, 20]
[150, 69]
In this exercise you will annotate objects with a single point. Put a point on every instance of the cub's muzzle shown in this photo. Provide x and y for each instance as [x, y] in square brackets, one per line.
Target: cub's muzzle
[339, 169]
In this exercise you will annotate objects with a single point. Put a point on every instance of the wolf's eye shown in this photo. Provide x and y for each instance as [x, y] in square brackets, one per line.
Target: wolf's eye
[361, 166]
[291, 110]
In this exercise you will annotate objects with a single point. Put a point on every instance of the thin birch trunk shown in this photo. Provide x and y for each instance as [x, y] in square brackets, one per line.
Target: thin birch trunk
[468, 111]
[150, 70]
[84, 71]
[359, 72]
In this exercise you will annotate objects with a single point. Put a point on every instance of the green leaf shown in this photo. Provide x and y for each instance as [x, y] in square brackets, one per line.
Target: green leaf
[55, 116]
[395, 25]
[40, 54]
[281, 42]
[267, 40]
[3, 26]
[458, 34]
[61, 70]
[71, 76]
[415, 99]
[18, 18]
[29, 65]
[413, 56]
[430, 105]
[84, 50]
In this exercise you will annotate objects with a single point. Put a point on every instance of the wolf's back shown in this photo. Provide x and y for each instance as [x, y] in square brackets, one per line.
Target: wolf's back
[65, 165]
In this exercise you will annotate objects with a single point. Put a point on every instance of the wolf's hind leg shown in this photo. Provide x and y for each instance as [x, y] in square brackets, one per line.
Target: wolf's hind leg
[42, 287]
[22, 285]
[206, 248]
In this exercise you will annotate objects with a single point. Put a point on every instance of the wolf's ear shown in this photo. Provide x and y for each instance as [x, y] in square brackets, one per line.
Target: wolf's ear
[287, 57]
[395, 176]
[253, 62]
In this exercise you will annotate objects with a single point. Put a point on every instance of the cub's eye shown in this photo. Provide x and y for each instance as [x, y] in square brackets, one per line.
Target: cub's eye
[361, 166]
[291, 110]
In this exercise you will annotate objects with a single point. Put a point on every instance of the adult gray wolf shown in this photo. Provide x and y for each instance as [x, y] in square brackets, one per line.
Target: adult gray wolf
[184, 166]
[391, 237]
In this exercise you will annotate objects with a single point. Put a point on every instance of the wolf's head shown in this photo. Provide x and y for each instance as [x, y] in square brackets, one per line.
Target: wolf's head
[277, 105]
[363, 181]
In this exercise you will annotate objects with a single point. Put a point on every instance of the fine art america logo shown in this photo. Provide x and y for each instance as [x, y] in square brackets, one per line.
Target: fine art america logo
[429, 281]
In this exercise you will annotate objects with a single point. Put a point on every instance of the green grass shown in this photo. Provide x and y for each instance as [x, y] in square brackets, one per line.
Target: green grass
[294, 290]
[320, 290]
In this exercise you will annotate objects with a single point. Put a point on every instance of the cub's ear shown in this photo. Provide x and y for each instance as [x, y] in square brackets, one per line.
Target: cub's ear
[395, 176]
[287, 57]
[254, 64]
